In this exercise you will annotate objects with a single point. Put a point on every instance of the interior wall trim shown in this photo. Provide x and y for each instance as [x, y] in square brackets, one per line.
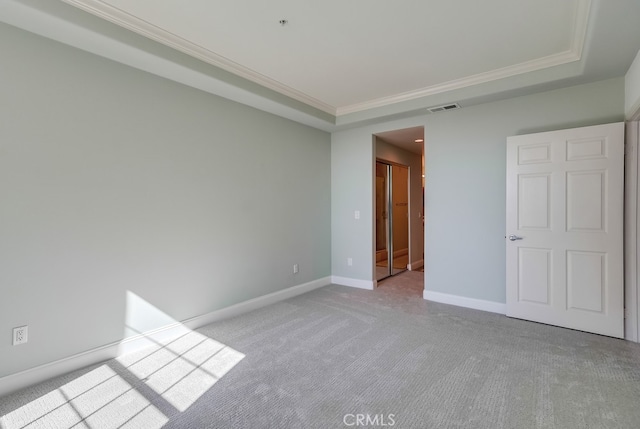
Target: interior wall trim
[137, 25]
[631, 225]
[461, 301]
[574, 53]
[490, 76]
[416, 265]
[255, 303]
[38, 374]
[128, 21]
[346, 281]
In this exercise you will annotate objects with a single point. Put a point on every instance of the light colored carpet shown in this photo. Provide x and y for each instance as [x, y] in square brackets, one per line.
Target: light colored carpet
[321, 359]
[408, 284]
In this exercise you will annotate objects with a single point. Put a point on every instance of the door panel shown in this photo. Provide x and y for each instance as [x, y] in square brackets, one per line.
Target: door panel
[589, 148]
[534, 201]
[586, 280]
[534, 275]
[565, 206]
[586, 196]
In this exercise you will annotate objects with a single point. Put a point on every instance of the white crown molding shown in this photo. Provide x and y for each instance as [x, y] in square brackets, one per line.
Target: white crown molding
[128, 21]
[477, 79]
[581, 19]
[144, 28]
[580, 25]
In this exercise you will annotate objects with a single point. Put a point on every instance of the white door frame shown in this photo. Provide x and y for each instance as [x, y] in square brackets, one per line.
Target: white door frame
[632, 226]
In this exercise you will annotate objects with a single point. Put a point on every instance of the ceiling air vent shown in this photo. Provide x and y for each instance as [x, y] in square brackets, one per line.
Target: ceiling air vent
[451, 106]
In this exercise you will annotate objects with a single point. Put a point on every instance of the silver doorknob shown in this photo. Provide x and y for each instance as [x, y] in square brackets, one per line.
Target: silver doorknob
[514, 237]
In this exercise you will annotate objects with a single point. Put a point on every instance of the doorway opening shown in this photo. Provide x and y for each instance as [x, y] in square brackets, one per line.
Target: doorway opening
[398, 202]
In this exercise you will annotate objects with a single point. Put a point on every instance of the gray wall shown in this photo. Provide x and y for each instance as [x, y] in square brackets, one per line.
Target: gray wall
[114, 180]
[465, 183]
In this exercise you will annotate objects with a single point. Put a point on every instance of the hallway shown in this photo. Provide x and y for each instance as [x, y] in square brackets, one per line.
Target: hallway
[409, 284]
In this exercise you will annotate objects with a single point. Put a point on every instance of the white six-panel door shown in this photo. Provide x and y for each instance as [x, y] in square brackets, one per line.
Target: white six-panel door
[564, 237]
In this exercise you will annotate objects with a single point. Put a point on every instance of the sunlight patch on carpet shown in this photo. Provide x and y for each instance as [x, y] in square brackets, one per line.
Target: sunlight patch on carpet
[170, 366]
[98, 399]
[184, 369]
[180, 364]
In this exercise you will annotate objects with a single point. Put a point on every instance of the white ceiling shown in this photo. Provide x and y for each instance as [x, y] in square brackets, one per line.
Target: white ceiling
[344, 56]
[405, 138]
[338, 63]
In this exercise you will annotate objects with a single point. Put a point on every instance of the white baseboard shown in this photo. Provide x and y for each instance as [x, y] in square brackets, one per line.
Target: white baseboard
[19, 380]
[415, 265]
[22, 379]
[346, 281]
[461, 301]
[255, 303]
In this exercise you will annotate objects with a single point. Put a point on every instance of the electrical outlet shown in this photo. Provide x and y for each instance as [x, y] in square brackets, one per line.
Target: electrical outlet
[349, 261]
[295, 269]
[20, 335]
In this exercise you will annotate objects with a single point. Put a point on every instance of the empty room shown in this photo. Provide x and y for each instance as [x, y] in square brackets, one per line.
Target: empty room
[295, 214]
